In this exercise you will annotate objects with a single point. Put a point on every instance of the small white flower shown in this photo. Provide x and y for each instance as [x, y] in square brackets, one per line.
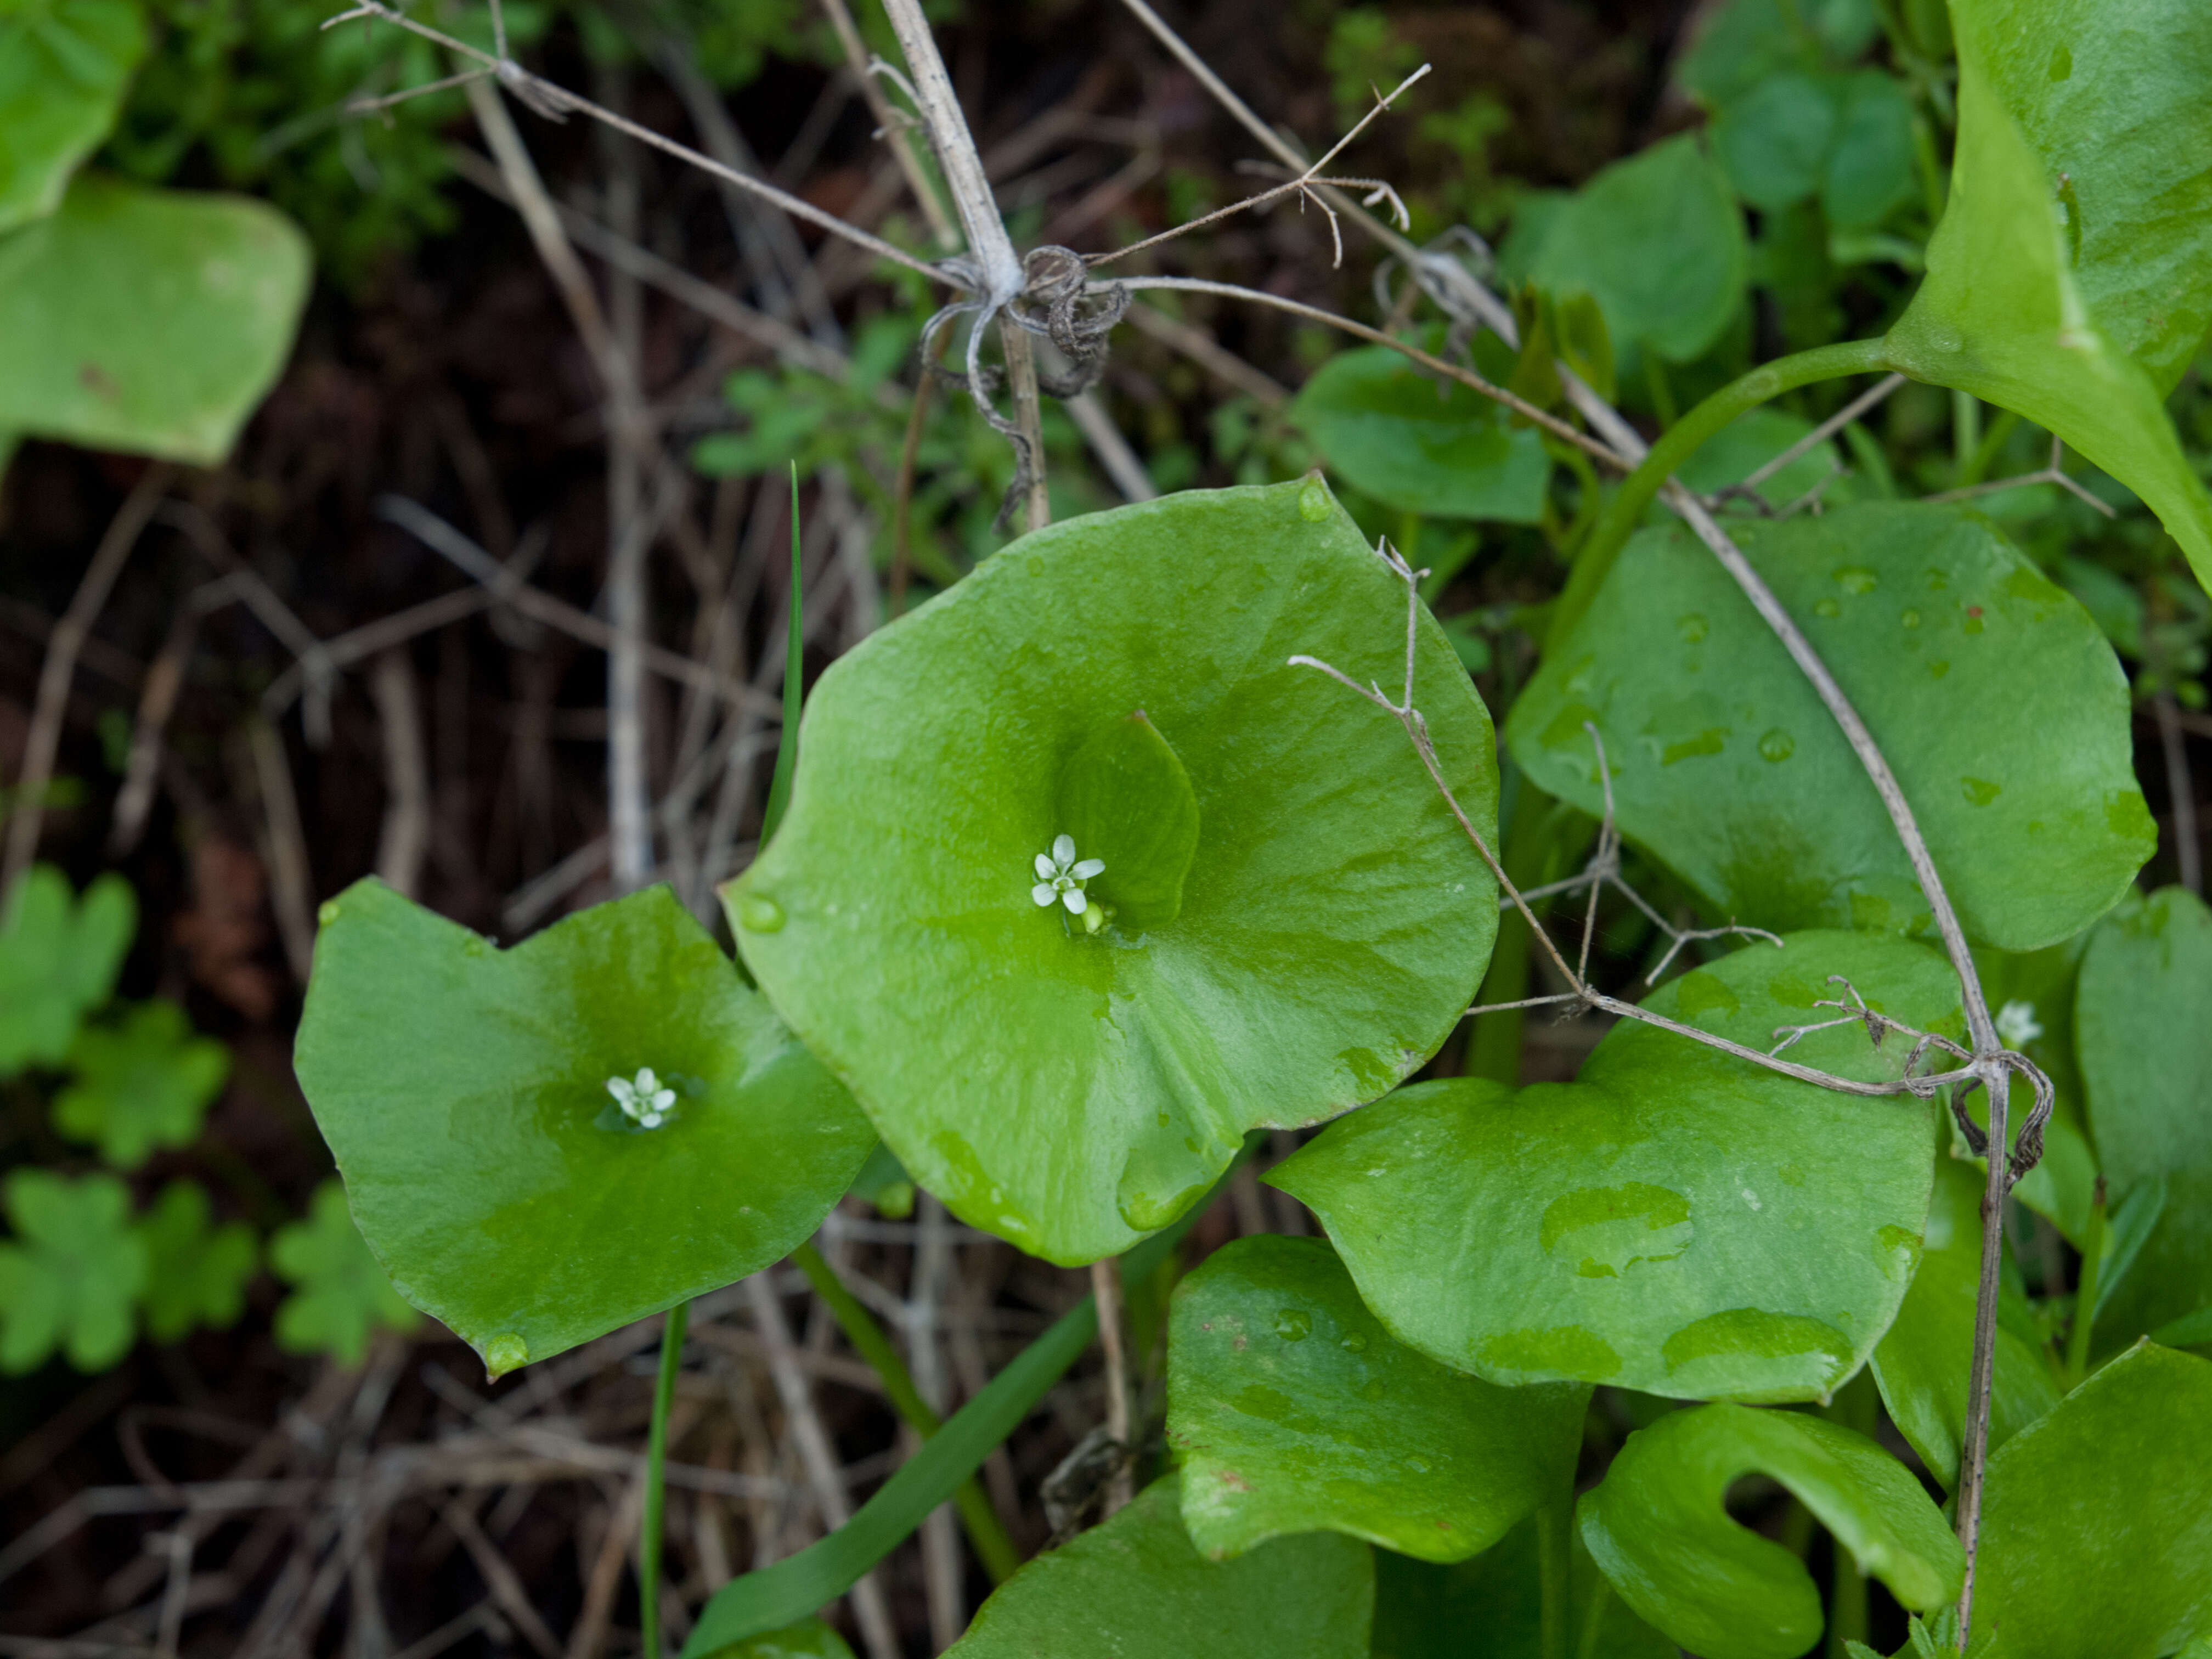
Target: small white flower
[2017, 1024]
[645, 1102]
[1061, 876]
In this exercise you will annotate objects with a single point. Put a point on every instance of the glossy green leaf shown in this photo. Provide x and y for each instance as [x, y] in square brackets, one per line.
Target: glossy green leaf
[1658, 1526]
[144, 1083]
[1126, 799]
[195, 1271]
[1922, 1360]
[1658, 242]
[2072, 277]
[1292, 1410]
[1070, 1091]
[146, 321]
[1135, 1585]
[2143, 1024]
[2000, 707]
[342, 1294]
[1675, 1220]
[57, 962]
[71, 1274]
[1419, 444]
[2097, 1521]
[63, 67]
[1425, 1611]
[465, 1090]
[1869, 168]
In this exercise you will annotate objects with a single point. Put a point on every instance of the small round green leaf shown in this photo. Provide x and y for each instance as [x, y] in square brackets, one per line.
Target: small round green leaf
[1998, 703]
[65, 65]
[1072, 1090]
[1658, 1526]
[57, 962]
[72, 1275]
[465, 1091]
[1675, 1220]
[1422, 445]
[143, 1082]
[1293, 1410]
[1774, 141]
[1135, 1585]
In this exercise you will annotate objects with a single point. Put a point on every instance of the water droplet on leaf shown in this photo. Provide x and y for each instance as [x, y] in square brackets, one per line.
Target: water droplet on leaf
[1777, 745]
[505, 1352]
[758, 913]
[1313, 499]
[1293, 1324]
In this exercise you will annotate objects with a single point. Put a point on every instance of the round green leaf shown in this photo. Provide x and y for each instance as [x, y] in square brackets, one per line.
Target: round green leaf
[1658, 1526]
[1657, 241]
[1425, 1611]
[1675, 1220]
[1421, 444]
[1870, 170]
[464, 1089]
[1135, 1586]
[1293, 1410]
[142, 1084]
[72, 1275]
[2000, 707]
[57, 962]
[63, 67]
[1922, 1361]
[1775, 140]
[2143, 1024]
[2097, 1521]
[146, 321]
[1070, 1090]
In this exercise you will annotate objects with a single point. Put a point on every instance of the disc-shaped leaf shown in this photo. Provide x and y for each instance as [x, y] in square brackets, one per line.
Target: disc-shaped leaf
[1293, 1410]
[1922, 1361]
[2001, 709]
[1658, 1526]
[1419, 444]
[1657, 241]
[2097, 1521]
[1675, 1220]
[2143, 1022]
[2071, 277]
[1135, 1585]
[57, 962]
[63, 67]
[148, 320]
[465, 1091]
[1071, 1090]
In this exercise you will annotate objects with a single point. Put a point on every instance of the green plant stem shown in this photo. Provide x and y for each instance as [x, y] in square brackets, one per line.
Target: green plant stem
[1966, 433]
[985, 1532]
[1857, 1406]
[1534, 843]
[1683, 439]
[1985, 453]
[2085, 1293]
[786, 744]
[1555, 1528]
[656, 1464]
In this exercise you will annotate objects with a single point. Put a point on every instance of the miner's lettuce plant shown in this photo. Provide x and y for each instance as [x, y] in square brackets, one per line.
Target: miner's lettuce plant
[1182, 820]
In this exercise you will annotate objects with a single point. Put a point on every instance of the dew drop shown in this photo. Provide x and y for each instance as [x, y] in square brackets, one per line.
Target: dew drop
[1693, 627]
[1910, 617]
[1777, 745]
[329, 913]
[1354, 1343]
[505, 1352]
[1979, 792]
[474, 945]
[1371, 1392]
[1826, 608]
[1419, 1465]
[1856, 579]
[758, 913]
[1293, 1324]
[1313, 499]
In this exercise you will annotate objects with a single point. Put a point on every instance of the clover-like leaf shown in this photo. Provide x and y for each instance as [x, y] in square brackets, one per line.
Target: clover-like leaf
[1135, 1585]
[57, 962]
[63, 67]
[1675, 1220]
[2144, 1026]
[70, 1279]
[2000, 707]
[142, 1084]
[1922, 1361]
[504, 1183]
[1657, 241]
[146, 321]
[1658, 1526]
[2097, 1520]
[1070, 1088]
[1293, 1410]
[195, 1271]
[2071, 277]
[1421, 444]
[342, 1292]
[1426, 1611]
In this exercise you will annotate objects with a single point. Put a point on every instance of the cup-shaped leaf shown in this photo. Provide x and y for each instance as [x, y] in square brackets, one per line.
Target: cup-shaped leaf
[1676, 1221]
[2143, 1026]
[1922, 1361]
[1135, 1585]
[465, 1091]
[1658, 1526]
[2001, 708]
[2071, 277]
[146, 321]
[1420, 445]
[1293, 1410]
[65, 65]
[2097, 1521]
[1071, 1089]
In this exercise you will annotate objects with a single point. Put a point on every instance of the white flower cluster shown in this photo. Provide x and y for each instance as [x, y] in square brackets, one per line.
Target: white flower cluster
[2017, 1024]
[1061, 876]
[646, 1102]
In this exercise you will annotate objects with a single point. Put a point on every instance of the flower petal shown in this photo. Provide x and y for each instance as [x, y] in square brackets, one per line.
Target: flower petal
[1089, 868]
[1041, 893]
[1045, 867]
[1063, 850]
[646, 1082]
[1073, 899]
